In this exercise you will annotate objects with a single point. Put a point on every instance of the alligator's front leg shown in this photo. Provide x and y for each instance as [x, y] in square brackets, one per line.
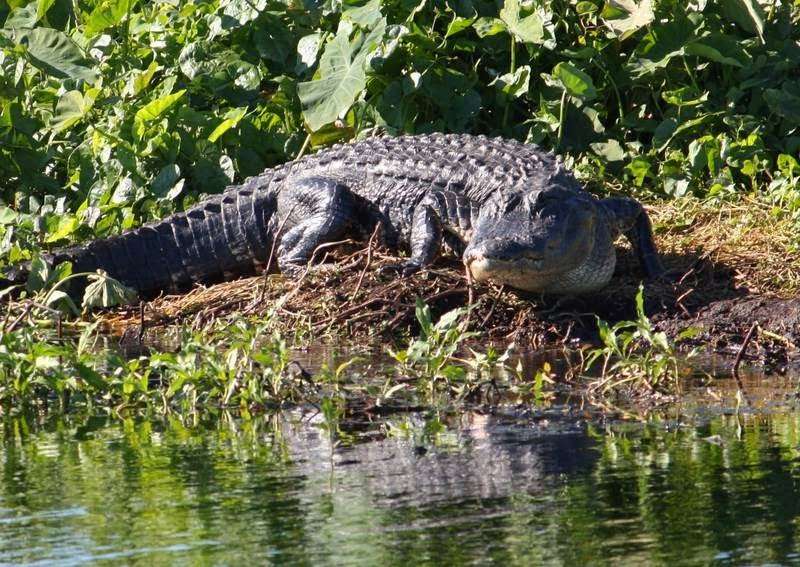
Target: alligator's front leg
[631, 220]
[312, 211]
[441, 217]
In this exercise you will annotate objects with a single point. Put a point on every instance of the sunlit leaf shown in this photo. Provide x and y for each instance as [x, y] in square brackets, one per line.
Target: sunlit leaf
[342, 77]
[577, 83]
[105, 291]
[43, 6]
[486, 27]
[106, 14]
[232, 118]
[38, 275]
[610, 150]
[458, 24]
[626, 17]
[71, 108]
[527, 29]
[66, 226]
[56, 54]
[514, 84]
[153, 110]
[165, 180]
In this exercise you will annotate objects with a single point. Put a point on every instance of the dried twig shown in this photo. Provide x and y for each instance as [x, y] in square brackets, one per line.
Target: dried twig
[747, 338]
[367, 264]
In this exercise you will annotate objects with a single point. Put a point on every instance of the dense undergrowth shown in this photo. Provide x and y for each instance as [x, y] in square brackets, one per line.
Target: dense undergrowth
[115, 112]
[249, 365]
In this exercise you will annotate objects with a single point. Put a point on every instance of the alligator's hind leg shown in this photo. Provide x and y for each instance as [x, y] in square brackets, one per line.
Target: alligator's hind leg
[312, 211]
[631, 219]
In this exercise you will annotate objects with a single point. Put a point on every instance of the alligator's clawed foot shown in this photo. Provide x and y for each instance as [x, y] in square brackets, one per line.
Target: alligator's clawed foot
[403, 270]
[293, 271]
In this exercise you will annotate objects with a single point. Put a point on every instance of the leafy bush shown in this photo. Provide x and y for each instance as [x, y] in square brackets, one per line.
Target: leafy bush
[115, 112]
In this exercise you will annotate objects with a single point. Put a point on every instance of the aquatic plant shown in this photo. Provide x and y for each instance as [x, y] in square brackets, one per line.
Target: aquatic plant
[634, 355]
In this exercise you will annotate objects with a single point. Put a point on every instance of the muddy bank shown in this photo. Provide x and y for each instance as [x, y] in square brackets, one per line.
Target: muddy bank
[728, 269]
[350, 299]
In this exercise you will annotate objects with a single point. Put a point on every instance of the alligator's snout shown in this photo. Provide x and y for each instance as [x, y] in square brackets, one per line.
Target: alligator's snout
[505, 261]
[501, 250]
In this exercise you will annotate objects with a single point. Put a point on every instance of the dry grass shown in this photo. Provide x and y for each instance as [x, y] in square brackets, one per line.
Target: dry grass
[717, 253]
[763, 251]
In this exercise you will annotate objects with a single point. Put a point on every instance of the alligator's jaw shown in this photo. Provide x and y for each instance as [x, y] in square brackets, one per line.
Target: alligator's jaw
[590, 275]
[520, 274]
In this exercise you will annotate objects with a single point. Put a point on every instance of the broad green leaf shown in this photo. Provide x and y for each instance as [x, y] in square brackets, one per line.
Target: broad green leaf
[42, 7]
[486, 27]
[56, 297]
[142, 79]
[232, 118]
[23, 17]
[639, 168]
[107, 14]
[66, 226]
[7, 215]
[610, 150]
[720, 49]
[38, 275]
[514, 84]
[747, 13]
[670, 128]
[105, 291]
[165, 180]
[367, 16]
[342, 77]
[788, 165]
[91, 377]
[659, 46]
[626, 17]
[56, 54]
[457, 25]
[528, 29]
[153, 110]
[577, 83]
[307, 51]
[71, 108]
[240, 12]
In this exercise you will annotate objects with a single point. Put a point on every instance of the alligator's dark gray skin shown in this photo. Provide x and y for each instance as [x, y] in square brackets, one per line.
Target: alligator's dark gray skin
[510, 210]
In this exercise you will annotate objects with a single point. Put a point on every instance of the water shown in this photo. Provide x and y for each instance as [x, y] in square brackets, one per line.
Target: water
[704, 486]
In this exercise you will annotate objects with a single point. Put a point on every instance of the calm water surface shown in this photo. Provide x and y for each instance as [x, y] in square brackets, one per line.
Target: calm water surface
[515, 487]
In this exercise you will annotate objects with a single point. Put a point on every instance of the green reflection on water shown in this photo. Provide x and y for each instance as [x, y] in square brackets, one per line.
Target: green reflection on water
[226, 491]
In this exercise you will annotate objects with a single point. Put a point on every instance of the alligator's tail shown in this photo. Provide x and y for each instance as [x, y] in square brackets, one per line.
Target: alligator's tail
[223, 237]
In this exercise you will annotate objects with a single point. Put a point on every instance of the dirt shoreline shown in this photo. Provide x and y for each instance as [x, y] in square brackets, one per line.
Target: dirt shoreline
[730, 268]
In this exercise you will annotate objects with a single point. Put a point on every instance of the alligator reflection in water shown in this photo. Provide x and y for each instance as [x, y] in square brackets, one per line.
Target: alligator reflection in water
[500, 488]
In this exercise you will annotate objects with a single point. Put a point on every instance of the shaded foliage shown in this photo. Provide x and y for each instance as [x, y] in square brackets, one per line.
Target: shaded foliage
[116, 112]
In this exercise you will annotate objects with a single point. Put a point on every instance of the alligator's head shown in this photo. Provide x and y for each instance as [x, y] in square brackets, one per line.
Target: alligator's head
[528, 240]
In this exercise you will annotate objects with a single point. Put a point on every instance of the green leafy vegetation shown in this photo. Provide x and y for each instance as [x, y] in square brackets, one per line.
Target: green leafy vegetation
[116, 112]
[248, 365]
[635, 355]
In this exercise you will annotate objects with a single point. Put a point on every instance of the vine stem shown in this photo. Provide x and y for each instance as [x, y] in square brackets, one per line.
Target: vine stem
[304, 147]
[561, 116]
[512, 70]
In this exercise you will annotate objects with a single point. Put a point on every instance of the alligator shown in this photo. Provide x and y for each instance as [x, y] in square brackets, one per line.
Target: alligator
[511, 211]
